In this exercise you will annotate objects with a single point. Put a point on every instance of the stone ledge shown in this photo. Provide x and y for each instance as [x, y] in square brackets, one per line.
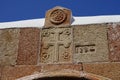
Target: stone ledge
[53, 67]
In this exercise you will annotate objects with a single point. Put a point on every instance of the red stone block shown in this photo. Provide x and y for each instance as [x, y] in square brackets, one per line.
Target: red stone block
[114, 41]
[109, 70]
[12, 73]
[0, 72]
[28, 46]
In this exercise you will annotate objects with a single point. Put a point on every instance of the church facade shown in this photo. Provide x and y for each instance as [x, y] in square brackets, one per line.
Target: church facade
[61, 51]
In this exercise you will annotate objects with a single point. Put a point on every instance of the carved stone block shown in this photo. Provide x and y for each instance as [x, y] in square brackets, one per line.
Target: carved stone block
[56, 45]
[9, 39]
[90, 43]
[58, 16]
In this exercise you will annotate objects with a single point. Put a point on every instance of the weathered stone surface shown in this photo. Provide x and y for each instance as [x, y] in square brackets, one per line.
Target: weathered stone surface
[0, 72]
[90, 43]
[110, 70]
[58, 16]
[55, 67]
[12, 73]
[114, 41]
[8, 46]
[56, 45]
[28, 46]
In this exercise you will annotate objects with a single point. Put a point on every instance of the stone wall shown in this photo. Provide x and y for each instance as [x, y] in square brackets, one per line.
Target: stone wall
[85, 48]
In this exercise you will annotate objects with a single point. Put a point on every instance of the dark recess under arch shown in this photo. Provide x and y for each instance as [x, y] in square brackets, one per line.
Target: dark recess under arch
[62, 78]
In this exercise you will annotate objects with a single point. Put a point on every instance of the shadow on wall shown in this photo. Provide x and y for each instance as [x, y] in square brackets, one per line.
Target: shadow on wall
[62, 78]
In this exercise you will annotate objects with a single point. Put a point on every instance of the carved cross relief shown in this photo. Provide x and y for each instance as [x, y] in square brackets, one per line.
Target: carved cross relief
[56, 45]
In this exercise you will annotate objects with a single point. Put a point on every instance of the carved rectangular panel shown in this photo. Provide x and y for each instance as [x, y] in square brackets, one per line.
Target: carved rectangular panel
[56, 45]
[90, 43]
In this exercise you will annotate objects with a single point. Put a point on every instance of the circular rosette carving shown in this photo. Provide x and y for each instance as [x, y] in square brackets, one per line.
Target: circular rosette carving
[58, 16]
[66, 56]
[67, 32]
[45, 56]
[45, 33]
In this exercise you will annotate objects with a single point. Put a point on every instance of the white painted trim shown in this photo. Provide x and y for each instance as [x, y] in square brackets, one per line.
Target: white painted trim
[77, 21]
[24, 23]
[96, 20]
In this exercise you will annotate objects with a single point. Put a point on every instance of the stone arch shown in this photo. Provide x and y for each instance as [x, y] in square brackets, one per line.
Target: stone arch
[64, 73]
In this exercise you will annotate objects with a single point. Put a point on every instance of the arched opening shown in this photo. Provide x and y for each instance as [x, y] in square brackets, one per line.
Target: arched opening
[63, 75]
[62, 78]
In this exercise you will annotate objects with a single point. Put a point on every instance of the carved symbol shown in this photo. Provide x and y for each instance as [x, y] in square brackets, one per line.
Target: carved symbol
[67, 32]
[45, 33]
[85, 48]
[66, 55]
[57, 16]
[45, 56]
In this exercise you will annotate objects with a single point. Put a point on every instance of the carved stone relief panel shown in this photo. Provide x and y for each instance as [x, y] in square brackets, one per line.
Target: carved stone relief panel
[90, 43]
[56, 45]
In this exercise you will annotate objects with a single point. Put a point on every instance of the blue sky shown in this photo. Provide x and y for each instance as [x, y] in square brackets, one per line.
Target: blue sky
[14, 10]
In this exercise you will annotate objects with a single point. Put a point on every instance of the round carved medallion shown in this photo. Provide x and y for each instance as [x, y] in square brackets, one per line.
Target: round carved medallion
[45, 56]
[66, 56]
[57, 16]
